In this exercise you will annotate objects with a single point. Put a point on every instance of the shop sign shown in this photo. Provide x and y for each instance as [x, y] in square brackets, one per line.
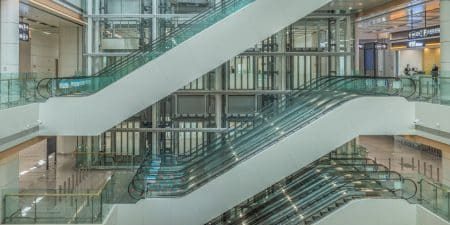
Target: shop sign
[24, 31]
[424, 33]
[415, 44]
[381, 46]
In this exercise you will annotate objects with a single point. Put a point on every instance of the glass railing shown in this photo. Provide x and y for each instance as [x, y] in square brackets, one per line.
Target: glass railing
[85, 85]
[317, 190]
[430, 89]
[159, 178]
[434, 197]
[18, 89]
[106, 160]
[60, 206]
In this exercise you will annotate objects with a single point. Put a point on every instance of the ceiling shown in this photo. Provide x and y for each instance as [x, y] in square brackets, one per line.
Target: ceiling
[42, 21]
[406, 16]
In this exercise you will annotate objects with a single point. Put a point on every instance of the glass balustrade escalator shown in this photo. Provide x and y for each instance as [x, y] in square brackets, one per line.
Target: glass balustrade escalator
[86, 85]
[178, 177]
[317, 190]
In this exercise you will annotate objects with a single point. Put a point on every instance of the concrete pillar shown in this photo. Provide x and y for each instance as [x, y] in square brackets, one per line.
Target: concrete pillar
[9, 49]
[445, 50]
[9, 46]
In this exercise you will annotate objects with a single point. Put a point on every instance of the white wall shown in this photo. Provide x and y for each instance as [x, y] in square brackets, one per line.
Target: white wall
[15, 120]
[25, 57]
[369, 115]
[44, 52]
[433, 116]
[426, 217]
[9, 36]
[373, 212]
[69, 51]
[157, 79]
[414, 57]
[40, 53]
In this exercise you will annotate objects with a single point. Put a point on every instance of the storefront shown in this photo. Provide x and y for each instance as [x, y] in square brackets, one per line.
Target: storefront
[50, 44]
[418, 48]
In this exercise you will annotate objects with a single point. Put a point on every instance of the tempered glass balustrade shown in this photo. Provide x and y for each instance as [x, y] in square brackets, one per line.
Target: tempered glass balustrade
[275, 122]
[317, 190]
[57, 206]
[18, 89]
[435, 197]
[90, 84]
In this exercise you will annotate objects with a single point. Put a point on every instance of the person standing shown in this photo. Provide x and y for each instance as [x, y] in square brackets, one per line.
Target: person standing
[434, 77]
[407, 70]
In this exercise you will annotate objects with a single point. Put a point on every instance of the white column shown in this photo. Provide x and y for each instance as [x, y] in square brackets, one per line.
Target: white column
[218, 97]
[66, 144]
[356, 51]
[337, 37]
[445, 49]
[281, 60]
[349, 40]
[155, 135]
[154, 19]
[89, 36]
[97, 62]
[9, 46]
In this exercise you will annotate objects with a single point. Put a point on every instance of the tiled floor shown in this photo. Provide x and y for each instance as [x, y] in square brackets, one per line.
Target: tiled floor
[33, 173]
[386, 150]
[40, 187]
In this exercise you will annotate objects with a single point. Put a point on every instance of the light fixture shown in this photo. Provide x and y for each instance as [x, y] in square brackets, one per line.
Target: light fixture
[433, 44]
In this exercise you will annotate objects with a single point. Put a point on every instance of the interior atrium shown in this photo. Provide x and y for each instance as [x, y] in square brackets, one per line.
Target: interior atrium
[249, 112]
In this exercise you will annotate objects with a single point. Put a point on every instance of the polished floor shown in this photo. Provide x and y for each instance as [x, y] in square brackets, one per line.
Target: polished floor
[60, 174]
[63, 174]
[406, 159]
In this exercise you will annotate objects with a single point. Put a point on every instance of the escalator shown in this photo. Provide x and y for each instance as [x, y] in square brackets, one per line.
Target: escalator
[282, 138]
[318, 190]
[162, 67]
[176, 178]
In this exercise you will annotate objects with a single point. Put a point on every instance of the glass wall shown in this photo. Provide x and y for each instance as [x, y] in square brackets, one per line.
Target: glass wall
[117, 27]
[232, 94]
